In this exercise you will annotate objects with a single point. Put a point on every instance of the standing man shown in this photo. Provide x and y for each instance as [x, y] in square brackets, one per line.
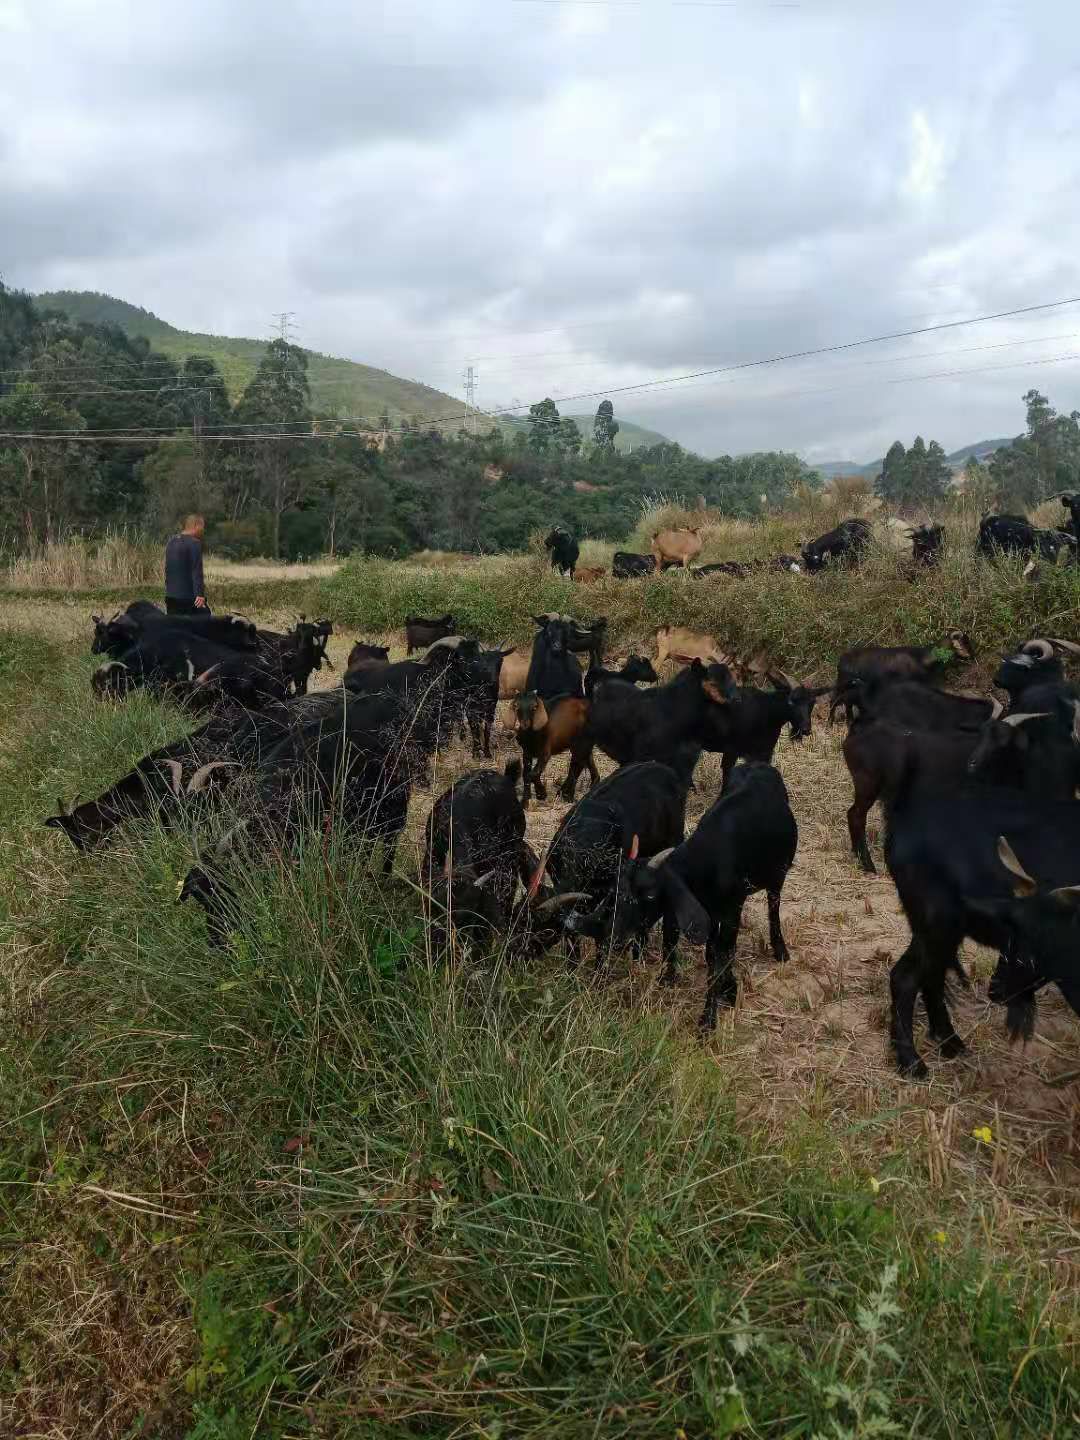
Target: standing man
[184, 590]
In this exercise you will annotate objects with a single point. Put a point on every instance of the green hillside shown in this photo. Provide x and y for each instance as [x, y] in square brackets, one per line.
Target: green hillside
[341, 387]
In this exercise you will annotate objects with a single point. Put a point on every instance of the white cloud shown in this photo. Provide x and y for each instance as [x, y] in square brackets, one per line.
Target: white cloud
[583, 195]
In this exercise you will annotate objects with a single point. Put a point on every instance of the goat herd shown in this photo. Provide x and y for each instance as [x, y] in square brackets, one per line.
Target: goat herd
[982, 823]
[677, 548]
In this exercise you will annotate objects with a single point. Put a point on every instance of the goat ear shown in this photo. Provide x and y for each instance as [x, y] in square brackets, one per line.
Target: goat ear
[537, 879]
[635, 845]
[1024, 884]
[713, 691]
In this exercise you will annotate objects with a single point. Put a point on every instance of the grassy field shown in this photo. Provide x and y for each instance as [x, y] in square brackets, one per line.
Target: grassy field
[325, 1183]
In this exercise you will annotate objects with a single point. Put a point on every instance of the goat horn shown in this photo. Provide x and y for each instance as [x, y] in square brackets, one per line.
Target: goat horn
[177, 775]
[635, 845]
[537, 879]
[659, 858]
[482, 880]
[1008, 858]
[1042, 648]
[556, 902]
[202, 775]
[1076, 722]
[1067, 646]
[997, 708]
[1030, 715]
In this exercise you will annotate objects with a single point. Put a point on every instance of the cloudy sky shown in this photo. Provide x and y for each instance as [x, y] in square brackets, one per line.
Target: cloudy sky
[578, 196]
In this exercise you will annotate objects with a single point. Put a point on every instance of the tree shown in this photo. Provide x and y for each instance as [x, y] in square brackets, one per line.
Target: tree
[276, 407]
[890, 484]
[568, 438]
[543, 426]
[35, 466]
[605, 426]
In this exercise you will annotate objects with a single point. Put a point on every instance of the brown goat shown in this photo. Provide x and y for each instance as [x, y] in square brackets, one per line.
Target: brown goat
[546, 730]
[514, 673]
[676, 547]
[587, 574]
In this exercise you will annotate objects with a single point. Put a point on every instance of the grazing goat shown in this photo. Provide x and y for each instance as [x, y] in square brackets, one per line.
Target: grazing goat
[553, 669]
[476, 853]
[758, 716]
[884, 663]
[941, 850]
[745, 842]
[1013, 535]
[588, 574]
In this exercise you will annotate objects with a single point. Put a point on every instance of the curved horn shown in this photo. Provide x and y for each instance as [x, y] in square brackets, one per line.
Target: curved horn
[177, 775]
[1066, 645]
[659, 858]
[1076, 722]
[199, 780]
[1025, 884]
[997, 710]
[486, 878]
[1015, 720]
[556, 902]
[1041, 649]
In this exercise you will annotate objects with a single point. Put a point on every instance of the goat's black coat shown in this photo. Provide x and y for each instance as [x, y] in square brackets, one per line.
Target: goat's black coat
[1014, 535]
[626, 565]
[941, 851]
[841, 546]
[553, 669]
[745, 842]
[563, 549]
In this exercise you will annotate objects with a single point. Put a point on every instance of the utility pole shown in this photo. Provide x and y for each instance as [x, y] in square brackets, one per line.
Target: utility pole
[470, 379]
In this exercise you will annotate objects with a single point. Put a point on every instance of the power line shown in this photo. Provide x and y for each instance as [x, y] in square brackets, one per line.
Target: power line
[142, 437]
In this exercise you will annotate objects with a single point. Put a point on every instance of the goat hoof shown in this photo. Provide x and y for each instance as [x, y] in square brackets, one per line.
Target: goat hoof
[952, 1047]
[914, 1069]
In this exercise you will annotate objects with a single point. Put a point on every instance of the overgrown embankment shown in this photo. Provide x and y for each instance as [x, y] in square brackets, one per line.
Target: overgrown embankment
[801, 622]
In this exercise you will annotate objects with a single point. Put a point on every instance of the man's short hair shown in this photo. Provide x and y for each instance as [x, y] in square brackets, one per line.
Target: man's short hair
[192, 522]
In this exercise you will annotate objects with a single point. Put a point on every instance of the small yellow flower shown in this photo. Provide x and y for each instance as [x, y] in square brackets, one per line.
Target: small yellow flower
[983, 1133]
[875, 1184]
[939, 1237]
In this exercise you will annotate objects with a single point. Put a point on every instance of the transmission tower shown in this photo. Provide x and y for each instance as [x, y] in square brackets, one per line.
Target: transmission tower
[284, 322]
[469, 378]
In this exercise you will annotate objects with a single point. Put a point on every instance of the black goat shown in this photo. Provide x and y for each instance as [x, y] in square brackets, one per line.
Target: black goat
[636, 669]
[884, 663]
[926, 543]
[942, 854]
[553, 669]
[842, 546]
[745, 842]
[626, 565]
[476, 853]
[1013, 535]
[672, 723]
[758, 716]
[420, 633]
[563, 550]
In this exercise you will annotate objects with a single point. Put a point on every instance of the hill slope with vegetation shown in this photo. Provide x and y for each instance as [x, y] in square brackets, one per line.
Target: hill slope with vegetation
[339, 387]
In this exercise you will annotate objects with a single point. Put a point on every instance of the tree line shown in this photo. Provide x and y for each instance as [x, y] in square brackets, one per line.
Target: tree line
[98, 429]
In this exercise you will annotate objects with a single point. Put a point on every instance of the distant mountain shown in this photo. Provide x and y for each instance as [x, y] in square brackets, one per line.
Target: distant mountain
[982, 450]
[342, 387]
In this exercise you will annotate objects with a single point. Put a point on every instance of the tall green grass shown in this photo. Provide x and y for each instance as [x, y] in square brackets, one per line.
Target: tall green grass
[323, 1183]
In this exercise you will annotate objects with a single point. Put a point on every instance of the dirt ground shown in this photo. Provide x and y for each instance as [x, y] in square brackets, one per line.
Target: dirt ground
[806, 1046]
